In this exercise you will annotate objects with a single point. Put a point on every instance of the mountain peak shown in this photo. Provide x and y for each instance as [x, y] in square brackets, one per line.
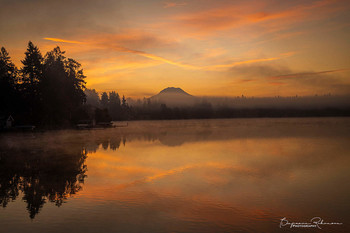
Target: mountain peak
[173, 96]
[173, 90]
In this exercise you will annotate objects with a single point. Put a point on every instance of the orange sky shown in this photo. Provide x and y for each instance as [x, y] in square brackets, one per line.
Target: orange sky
[206, 47]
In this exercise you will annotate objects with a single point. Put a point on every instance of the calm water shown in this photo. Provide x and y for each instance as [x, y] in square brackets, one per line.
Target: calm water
[240, 175]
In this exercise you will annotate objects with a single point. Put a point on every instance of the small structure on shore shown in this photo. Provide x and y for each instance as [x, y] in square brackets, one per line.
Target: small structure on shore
[86, 124]
[6, 122]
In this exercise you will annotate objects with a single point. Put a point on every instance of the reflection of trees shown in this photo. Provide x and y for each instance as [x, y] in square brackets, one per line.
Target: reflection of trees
[40, 175]
[50, 167]
[172, 137]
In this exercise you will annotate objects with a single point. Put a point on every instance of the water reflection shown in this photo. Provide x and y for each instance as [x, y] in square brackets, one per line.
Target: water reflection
[40, 174]
[182, 176]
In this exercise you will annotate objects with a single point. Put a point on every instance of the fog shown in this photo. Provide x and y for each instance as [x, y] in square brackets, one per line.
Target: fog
[299, 102]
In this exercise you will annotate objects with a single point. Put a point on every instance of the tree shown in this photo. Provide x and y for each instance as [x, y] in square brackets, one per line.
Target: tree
[118, 99]
[123, 101]
[53, 88]
[104, 100]
[50, 91]
[8, 83]
[32, 75]
[62, 87]
[32, 70]
[76, 81]
[92, 97]
[114, 105]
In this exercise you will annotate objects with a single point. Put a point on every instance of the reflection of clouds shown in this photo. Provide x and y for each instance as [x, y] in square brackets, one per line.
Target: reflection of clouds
[159, 174]
[254, 172]
[247, 158]
[224, 174]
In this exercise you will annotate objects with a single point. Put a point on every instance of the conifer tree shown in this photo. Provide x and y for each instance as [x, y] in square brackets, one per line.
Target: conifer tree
[32, 70]
[104, 100]
[8, 83]
[32, 74]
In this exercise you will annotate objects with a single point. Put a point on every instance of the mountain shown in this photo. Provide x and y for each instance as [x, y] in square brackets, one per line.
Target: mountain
[174, 96]
[173, 90]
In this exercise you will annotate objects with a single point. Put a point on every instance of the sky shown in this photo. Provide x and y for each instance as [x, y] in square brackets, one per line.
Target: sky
[206, 47]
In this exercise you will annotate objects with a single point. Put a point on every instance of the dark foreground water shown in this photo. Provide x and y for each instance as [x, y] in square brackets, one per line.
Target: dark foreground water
[240, 175]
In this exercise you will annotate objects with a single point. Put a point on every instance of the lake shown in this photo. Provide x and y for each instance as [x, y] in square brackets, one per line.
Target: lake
[230, 175]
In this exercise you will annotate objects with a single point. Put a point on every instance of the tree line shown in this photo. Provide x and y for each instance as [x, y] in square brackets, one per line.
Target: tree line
[47, 90]
[110, 105]
[146, 109]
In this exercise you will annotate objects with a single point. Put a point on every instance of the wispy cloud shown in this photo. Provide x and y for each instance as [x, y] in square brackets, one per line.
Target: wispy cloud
[287, 81]
[297, 75]
[124, 50]
[277, 83]
[230, 65]
[173, 4]
[168, 61]
[63, 41]
[245, 13]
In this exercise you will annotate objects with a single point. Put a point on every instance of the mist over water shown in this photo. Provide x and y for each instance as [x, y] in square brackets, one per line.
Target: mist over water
[237, 175]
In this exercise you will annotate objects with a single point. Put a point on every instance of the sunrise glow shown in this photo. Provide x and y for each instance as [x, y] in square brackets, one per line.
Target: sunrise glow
[208, 48]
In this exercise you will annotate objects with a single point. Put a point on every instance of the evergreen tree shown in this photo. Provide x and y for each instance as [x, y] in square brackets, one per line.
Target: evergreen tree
[32, 74]
[32, 70]
[119, 108]
[123, 102]
[117, 99]
[50, 92]
[8, 83]
[76, 81]
[92, 97]
[62, 87]
[53, 88]
[114, 105]
[104, 100]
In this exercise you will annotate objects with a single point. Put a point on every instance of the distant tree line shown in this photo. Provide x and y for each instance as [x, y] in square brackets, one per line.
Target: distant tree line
[147, 109]
[108, 106]
[47, 90]
[205, 110]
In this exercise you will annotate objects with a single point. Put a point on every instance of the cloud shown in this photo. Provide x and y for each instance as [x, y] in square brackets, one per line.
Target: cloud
[246, 13]
[277, 83]
[300, 75]
[123, 49]
[238, 63]
[22, 18]
[63, 41]
[265, 75]
[259, 71]
[119, 48]
[173, 4]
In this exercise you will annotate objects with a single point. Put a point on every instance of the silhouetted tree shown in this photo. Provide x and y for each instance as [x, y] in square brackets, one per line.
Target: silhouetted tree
[92, 97]
[102, 115]
[32, 70]
[8, 81]
[123, 101]
[32, 75]
[104, 100]
[62, 88]
[114, 105]
[48, 91]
